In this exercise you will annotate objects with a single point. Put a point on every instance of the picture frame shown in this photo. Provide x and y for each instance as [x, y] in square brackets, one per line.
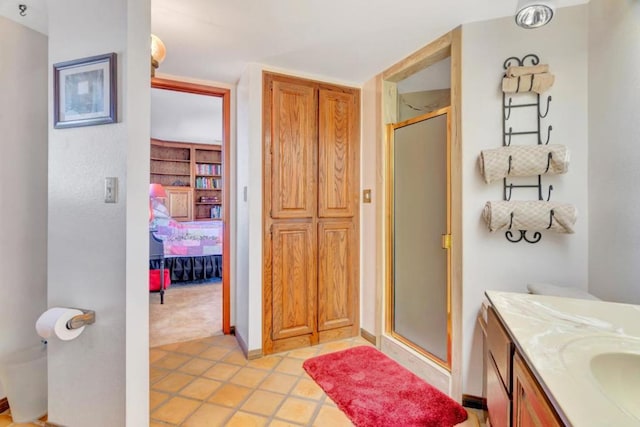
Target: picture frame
[85, 91]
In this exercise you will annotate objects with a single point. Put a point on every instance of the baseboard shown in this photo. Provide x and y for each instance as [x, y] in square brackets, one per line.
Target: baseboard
[368, 336]
[254, 354]
[250, 355]
[475, 402]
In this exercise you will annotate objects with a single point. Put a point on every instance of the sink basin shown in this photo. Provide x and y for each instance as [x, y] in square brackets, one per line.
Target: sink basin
[618, 375]
[611, 364]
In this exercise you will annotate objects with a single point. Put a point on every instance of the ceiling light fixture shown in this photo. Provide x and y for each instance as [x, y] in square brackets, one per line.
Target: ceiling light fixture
[534, 13]
[158, 52]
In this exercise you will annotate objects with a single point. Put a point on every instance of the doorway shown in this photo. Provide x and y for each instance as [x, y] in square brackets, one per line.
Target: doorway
[400, 104]
[199, 195]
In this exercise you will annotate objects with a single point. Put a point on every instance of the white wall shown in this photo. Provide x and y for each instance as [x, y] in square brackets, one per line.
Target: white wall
[98, 253]
[614, 149]
[187, 117]
[370, 230]
[249, 211]
[23, 184]
[490, 261]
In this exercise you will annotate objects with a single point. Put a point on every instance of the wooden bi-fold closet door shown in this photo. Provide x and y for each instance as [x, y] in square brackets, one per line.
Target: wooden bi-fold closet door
[311, 211]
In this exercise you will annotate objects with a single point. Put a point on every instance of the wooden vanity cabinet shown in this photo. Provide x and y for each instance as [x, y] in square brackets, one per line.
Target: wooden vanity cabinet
[514, 397]
[500, 351]
[530, 406]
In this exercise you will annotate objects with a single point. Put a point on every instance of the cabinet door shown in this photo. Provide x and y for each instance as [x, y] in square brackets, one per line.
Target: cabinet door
[293, 280]
[498, 403]
[337, 288]
[293, 141]
[180, 203]
[337, 153]
[530, 407]
[500, 348]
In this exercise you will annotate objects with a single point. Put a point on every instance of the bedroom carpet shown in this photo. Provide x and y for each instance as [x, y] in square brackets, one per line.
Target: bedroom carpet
[189, 312]
[374, 390]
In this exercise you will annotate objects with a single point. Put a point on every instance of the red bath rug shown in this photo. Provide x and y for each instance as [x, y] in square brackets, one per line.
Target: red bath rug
[373, 390]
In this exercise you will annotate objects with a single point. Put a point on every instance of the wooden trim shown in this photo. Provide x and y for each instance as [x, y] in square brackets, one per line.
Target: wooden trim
[226, 241]
[368, 336]
[449, 44]
[4, 405]
[225, 94]
[388, 324]
[456, 214]
[267, 272]
[426, 116]
[475, 402]
[434, 52]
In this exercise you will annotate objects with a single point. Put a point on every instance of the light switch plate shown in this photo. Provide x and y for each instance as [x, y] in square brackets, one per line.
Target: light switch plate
[111, 189]
[366, 196]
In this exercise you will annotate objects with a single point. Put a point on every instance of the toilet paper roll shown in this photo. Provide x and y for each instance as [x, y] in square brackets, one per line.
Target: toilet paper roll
[54, 322]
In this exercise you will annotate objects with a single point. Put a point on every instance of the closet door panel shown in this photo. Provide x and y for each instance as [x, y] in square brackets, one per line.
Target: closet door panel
[293, 136]
[337, 258]
[337, 151]
[293, 279]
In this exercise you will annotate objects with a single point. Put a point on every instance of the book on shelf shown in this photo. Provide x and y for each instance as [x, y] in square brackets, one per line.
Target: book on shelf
[216, 212]
[203, 182]
[208, 169]
[210, 199]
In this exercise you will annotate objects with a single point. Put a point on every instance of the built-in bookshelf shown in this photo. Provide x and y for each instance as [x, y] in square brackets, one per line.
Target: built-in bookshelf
[196, 166]
[208, 182]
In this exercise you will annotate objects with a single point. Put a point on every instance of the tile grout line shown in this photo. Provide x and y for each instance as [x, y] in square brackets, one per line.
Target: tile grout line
[191, 356]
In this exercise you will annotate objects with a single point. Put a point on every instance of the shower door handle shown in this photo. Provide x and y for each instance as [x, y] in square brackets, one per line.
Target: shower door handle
[446, 241]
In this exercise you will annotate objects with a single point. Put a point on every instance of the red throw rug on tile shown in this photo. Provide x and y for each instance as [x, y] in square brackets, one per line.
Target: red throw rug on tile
[373, 390]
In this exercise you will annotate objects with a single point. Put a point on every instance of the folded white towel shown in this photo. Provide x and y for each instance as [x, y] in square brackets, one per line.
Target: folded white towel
[530, 216]
[526, 160]
[516, 70]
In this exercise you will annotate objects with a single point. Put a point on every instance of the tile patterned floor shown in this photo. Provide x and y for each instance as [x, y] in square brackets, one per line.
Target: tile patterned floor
[208, 383]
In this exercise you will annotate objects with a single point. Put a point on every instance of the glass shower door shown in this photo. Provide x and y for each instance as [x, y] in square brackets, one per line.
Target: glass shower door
[419, 300]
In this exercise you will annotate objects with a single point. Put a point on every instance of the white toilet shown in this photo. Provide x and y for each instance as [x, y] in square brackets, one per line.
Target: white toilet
[23, 375]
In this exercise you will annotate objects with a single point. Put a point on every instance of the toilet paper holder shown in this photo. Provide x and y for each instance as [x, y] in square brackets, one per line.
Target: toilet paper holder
[87, 317]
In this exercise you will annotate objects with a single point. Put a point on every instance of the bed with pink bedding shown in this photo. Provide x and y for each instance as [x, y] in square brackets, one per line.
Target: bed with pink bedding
[193, 250]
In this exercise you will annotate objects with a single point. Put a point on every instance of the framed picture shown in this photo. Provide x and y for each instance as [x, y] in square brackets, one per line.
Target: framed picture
[84, 91]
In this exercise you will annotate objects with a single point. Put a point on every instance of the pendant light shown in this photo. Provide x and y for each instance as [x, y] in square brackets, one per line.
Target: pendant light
[158, 52]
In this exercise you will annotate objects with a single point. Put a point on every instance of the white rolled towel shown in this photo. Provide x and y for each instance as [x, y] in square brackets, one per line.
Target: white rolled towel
[530, 216]
[538, 83]
[526, 160]
[520, 70]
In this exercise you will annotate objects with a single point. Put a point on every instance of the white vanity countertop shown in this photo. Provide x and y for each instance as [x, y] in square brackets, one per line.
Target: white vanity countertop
[558, 337]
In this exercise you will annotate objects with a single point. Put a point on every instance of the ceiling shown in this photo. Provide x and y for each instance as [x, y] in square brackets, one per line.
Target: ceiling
[344, 40]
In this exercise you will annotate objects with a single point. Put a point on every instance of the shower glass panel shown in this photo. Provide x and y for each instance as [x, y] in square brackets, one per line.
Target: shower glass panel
[420, 227]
